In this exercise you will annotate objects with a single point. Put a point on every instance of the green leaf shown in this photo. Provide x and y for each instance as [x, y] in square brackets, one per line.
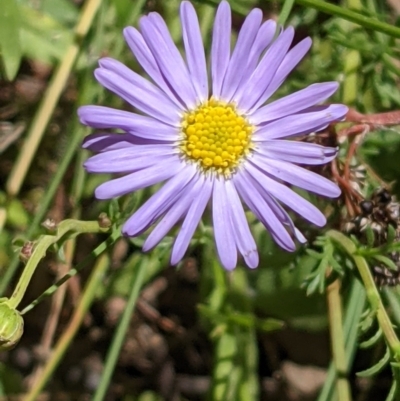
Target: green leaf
[372, 340]
[10, 44]
[370, 236]
[377, 367]
[386, 261]
[392, 392]
[10, 380]
[63, 11]
[391, 234]
[43, 38]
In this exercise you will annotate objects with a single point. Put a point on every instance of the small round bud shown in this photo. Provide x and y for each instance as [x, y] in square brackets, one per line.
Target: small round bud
[104, 220]
[11, 326]
[26, 251]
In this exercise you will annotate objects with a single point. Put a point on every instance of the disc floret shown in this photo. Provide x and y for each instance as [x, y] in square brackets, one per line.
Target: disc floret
[215, 136]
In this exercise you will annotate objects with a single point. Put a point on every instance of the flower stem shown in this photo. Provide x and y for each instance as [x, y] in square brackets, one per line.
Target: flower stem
[371, 291]
[353, 16]
[338, 341]
[69, 226]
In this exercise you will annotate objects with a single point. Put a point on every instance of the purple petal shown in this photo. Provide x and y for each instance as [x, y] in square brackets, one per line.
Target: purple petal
[160, 202]
[176, 211]
[143, 126]
[105, 141]
[263, 39]
[240, 55]
[192, 219]
[168, 58]
[283, 216]
[278, 210]
[253, 199]
[244, 240]
[130, 159]
[298, 176]
[287, 196]
[194, 50]
[294, 103]
[290, 61]
[138, 180]
[137, 91]
[223, 232]
[220, 47]
[139, 48]
[302, 123]
[251, 91]
[297, 152]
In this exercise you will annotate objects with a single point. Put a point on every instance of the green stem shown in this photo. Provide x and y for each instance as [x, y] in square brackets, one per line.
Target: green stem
[329, 8]
[44, 242]
[353, 16]
[117, 341]
[72, 328]
[93, 255]
[337, 340]
[371, 290]
[74, 227]
[352, 316]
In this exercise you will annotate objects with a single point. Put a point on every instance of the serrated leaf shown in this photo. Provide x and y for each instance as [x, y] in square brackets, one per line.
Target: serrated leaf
[10, 43]
[373, 370]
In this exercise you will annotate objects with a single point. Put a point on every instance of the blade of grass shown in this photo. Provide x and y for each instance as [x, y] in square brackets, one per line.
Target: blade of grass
[118, 339]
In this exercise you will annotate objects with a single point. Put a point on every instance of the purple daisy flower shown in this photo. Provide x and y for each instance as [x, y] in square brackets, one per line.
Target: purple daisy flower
[220, 144]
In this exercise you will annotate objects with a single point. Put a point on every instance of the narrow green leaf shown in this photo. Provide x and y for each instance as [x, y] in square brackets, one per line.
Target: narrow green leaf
[386, 261]
[392, 391]
[372, 340]
[377, 367]
[10, 45]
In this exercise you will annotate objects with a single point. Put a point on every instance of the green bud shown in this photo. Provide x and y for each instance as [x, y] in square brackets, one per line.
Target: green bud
[11, 325]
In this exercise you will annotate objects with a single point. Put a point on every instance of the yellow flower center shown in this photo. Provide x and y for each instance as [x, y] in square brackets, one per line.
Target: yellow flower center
[216, 136]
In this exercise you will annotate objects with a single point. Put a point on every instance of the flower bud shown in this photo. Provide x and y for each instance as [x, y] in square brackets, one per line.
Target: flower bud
[11, 326]
[104, 220]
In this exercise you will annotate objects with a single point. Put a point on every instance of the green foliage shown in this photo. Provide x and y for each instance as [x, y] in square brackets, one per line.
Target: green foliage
[39, 34]
[357, 48]
[10, 43]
